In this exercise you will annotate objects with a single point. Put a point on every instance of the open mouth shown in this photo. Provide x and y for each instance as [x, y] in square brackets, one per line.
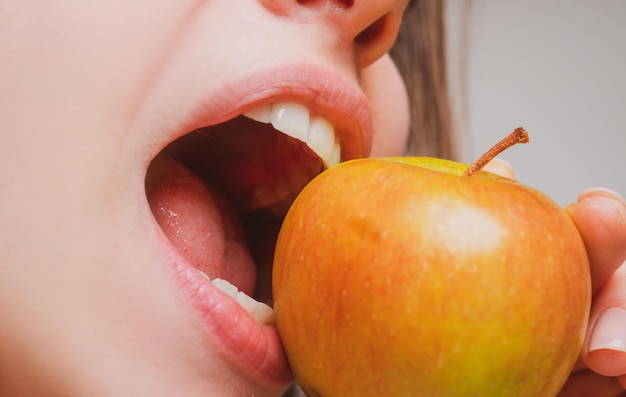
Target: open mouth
[219, 194]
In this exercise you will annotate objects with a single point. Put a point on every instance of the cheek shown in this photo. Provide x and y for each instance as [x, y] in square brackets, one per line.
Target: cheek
[388, 98]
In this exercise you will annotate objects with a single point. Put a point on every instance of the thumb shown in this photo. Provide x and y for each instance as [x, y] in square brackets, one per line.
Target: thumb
[604, 351]
[600, 216]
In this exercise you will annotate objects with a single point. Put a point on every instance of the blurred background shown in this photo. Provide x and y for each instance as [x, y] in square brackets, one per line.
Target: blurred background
[558, 68]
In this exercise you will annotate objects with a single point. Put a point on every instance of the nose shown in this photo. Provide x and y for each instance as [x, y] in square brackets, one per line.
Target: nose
[368, 26]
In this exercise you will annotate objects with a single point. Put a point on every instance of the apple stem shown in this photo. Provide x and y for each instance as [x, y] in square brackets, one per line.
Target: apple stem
[519, 135]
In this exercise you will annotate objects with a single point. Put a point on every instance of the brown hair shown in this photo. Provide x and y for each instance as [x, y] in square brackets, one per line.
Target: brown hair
[420, 55]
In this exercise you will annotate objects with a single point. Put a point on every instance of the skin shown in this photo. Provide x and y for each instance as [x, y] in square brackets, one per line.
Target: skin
[601, 218]
[92, 93]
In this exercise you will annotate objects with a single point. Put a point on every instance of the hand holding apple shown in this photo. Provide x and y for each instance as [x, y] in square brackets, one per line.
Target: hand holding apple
[423, 277]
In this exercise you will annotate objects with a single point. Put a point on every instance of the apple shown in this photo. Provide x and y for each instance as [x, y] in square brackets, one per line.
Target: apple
[426, 277]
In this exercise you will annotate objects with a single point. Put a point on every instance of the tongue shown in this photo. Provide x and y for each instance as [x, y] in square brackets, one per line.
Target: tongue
[200, 223]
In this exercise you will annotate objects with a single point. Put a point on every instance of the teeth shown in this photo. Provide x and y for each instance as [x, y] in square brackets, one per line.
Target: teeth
[261, 312]
[261, 114]
[294, 120]
[204, 275]
[321, 140]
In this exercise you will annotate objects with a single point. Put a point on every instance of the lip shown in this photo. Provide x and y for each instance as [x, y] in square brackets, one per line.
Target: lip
[321, 90]
[229, 329]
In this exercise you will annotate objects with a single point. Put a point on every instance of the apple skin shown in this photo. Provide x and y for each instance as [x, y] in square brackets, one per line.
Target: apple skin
[400, 277]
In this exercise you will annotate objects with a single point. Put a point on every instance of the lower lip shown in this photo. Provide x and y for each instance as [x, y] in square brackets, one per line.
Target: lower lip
[229, 329]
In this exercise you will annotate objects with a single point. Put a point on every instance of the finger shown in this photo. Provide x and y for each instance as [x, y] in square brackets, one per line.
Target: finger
[587, 383]
[500, 167]
[600, 216]
[605, 345]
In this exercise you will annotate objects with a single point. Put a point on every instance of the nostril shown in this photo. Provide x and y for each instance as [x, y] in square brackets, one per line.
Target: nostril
[343, 3]
[377, 38]
[370, 33]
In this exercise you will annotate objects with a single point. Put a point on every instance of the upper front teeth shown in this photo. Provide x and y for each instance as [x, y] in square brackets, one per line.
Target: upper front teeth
[295, 120]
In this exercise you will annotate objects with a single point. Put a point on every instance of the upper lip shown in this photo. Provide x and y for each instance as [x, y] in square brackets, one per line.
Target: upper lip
[321, 90]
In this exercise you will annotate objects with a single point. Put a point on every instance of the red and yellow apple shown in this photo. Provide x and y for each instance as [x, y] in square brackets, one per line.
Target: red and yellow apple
[403, 277]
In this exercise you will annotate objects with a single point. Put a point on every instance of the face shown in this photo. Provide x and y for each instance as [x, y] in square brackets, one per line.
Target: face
[148, 151]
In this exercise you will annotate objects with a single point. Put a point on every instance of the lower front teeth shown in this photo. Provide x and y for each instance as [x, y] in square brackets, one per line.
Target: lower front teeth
[260, 311]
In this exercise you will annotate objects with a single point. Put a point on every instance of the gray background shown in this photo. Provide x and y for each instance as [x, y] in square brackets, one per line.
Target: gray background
[559, 69]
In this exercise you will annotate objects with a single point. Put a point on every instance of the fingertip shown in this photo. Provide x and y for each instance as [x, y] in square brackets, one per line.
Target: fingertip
[607, 362]
[600, 216]
[605, 345]
[500, 167]
[609, 331]
[601, 192]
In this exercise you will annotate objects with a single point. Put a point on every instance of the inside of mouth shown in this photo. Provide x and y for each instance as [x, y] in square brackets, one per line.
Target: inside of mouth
[220, 194]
